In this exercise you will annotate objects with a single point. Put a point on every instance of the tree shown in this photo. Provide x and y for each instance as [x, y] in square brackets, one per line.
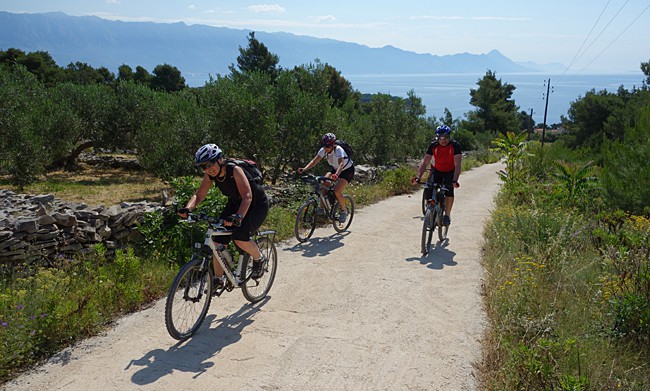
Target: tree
[142, 76]
[496, 111]
[645, 68]
[167, 78]
[125, 73]
[338, 87]
[587, 117]
[255, 58]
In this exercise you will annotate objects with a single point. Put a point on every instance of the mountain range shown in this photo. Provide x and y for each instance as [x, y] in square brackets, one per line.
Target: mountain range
[201, 51]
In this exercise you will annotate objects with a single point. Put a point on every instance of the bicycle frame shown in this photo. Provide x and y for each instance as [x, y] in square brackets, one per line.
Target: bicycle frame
[224, 262]
[323, 199]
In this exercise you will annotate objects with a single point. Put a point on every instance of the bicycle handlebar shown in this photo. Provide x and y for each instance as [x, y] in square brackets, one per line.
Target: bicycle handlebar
[311, 178]
[216, 223]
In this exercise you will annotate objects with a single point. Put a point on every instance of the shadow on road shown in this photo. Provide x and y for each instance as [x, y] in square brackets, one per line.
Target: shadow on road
[319, 247]
[438, 257]
[192, 355]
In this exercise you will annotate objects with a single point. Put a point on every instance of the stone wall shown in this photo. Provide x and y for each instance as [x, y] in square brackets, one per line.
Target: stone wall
[41, 228]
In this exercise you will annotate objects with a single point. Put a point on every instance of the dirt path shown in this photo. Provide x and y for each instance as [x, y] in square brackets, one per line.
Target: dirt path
[362, 311]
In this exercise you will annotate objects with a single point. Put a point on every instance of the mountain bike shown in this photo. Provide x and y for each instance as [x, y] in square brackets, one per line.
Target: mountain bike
[434, 217]
[191, 292]
[310, 210]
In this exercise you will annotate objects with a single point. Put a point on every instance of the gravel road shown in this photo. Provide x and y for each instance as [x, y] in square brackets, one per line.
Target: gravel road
[358, 311]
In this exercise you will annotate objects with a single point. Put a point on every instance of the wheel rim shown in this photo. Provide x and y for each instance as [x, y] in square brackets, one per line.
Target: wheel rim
[349, 205]
[305, 221]
[256, 290]
[188, 303]
[427, 232]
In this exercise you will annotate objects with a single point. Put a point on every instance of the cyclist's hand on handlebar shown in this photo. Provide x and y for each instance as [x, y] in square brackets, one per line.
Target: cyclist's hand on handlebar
[300, 170]
[183, 212]
[233, 220]
[415, 180]
[456, 184]
[334, 177]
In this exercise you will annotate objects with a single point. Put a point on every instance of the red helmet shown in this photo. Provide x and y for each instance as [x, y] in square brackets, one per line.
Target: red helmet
[328, 140]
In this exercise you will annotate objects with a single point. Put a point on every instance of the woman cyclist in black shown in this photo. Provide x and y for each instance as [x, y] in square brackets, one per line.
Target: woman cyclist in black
[247, 205]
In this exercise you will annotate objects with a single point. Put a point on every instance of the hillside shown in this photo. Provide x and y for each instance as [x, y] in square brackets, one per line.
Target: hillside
[199, 50]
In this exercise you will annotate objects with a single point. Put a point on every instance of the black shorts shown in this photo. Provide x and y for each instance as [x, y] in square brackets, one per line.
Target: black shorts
[249, 224]
[347, 174]
[445, 178]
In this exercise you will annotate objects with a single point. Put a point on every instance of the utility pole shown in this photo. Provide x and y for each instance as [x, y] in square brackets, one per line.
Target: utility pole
[531, 124]
[548, 87]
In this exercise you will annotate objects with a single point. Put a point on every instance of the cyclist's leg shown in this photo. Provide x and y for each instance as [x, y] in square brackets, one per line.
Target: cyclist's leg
[344, 179]
[448, 179]
[251, 223]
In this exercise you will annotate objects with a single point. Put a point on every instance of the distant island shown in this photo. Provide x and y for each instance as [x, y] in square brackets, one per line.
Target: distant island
[200, 51]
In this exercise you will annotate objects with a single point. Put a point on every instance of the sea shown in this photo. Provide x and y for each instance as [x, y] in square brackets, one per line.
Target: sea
[452, 91]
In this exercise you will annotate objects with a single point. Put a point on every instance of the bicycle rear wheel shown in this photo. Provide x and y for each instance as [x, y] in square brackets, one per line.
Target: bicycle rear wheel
[349, 206]
[427, 231]
[188, 299]
[440, 223]
[305, 221]
[256, 290]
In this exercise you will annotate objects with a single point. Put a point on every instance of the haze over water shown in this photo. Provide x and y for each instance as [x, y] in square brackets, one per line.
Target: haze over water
[452, 90]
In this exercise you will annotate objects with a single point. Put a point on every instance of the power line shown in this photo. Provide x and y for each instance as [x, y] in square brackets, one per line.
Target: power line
[603, 30]
[586, 38]
[615, 39]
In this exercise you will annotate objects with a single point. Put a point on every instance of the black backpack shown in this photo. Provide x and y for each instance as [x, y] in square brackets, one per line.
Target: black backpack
[250, 167]
[346, 147]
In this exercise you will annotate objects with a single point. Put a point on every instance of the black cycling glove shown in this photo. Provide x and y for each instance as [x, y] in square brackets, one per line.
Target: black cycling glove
[235, 219]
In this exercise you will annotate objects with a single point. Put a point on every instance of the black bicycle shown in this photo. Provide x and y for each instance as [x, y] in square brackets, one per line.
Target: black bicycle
[434, 216]
[321, 205]
[191, 292]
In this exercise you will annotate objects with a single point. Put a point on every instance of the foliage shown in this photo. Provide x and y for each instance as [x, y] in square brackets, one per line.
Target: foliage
[513, 148]
[167, 78]
[568, 302]
[626, 178]
[54, 307]
[255, 58]
[495, 109]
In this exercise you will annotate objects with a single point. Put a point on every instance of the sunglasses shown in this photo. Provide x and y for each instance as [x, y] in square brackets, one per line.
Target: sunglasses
[206, 165]
[443, 138]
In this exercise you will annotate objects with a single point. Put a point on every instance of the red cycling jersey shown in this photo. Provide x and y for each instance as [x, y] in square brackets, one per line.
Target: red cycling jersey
[444, 156]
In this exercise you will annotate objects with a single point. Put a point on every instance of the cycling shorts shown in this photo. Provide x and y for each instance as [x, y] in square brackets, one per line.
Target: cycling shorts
[346, 174]
[250, 223]
[446, 178]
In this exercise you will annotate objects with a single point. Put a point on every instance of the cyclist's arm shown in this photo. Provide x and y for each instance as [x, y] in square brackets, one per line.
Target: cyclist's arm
[200, 193]
[244, 189]
[340, 167]
[312, 163]
[423, 165]
[458, 163]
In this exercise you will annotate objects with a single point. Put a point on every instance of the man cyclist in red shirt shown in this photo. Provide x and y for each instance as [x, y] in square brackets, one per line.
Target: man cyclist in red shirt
[447, 159]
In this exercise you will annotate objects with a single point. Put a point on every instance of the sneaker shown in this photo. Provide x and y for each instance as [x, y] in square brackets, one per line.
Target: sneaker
[258, 268]
[446, 220]
[342, 217]
[217, 283]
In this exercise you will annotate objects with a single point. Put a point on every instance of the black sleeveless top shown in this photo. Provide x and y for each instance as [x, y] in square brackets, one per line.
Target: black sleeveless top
[229, 187]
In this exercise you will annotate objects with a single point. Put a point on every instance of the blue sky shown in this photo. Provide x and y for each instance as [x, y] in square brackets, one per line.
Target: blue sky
[587, 35]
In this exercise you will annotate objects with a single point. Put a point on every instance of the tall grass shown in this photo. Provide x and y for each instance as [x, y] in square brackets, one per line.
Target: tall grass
[566, 289]
[45, 310]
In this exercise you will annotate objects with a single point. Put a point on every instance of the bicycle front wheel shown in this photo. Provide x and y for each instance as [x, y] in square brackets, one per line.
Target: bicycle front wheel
[305, 221]
[188, 299]
[427, 231]
[339, 225]
[424, 204]
[442, 227]
[256, 290]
